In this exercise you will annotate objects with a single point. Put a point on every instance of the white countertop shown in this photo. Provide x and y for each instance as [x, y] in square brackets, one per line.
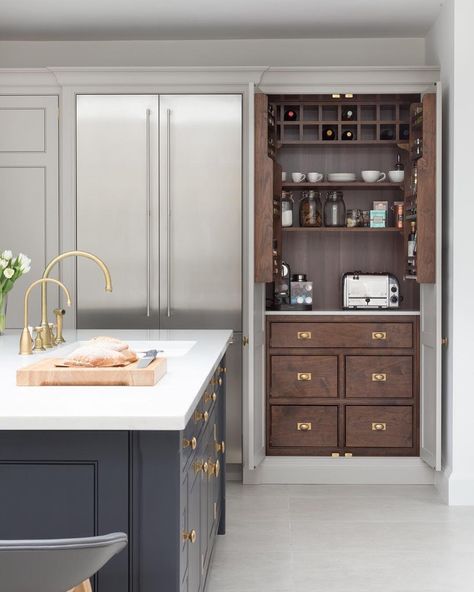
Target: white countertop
[166, 406]
[343, 313]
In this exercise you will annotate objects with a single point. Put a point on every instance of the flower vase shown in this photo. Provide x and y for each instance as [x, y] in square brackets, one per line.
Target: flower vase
[3, 312]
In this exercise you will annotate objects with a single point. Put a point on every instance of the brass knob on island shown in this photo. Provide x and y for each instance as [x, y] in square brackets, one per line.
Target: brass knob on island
[201, 415]
[211, 397]
[220, 447]
[190, 443]
[214, 468]
[201, 465]
[190, 536]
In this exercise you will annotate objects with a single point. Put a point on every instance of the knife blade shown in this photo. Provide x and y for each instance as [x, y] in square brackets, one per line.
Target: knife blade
[148, 358]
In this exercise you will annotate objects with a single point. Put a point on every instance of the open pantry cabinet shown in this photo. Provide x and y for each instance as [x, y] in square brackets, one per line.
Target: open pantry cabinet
[381, 126]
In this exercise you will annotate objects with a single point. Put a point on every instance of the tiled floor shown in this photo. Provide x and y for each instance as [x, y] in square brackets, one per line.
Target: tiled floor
[312, 538]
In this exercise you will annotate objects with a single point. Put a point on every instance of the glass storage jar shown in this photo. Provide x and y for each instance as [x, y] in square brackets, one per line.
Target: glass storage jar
[287, 206]
[311, 209]
[335, 209]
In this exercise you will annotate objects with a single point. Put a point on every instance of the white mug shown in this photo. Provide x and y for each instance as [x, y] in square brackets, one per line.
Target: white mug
[284, 176]
[315, 177]
[396, 176]
[373, 176]
[298, 177]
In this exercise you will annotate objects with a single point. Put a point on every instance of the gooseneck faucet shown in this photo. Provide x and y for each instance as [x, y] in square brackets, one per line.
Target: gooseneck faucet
[25, 339]
[46, 331]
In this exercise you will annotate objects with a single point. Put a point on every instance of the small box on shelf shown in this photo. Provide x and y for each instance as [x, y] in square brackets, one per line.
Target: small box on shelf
[378, 218]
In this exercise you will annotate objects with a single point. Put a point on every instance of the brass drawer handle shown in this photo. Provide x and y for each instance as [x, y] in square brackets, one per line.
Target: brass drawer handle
[190, 443]
[201, 465]
[220, 447]
[379, 427]
[200, 415]
[379, 377]
[304, 334]
[305, 376]
[214, 469]
[190, 537]
[304, 426]
[379, 335]
[208, 398]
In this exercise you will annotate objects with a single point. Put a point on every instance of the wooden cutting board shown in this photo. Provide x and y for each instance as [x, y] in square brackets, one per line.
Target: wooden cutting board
[46, 373]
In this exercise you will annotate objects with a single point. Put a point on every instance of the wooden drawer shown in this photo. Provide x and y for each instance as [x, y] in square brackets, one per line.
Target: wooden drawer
[379, 376]
[303, 376]
[303, 425]
[328, 335]
[379, 426]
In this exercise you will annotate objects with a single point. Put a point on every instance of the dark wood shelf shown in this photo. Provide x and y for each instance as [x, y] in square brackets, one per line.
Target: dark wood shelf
[345, 185]
[380, 122]
[337, 143]
[389, 229]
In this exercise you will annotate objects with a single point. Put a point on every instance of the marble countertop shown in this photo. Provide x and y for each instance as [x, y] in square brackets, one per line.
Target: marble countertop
[193, 356]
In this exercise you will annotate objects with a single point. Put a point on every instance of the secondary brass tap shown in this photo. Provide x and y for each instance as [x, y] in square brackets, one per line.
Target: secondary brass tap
[25, 339]
[46, 332]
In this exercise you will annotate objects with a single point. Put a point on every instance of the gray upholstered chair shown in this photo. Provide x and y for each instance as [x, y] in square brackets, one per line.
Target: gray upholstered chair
[55, 565]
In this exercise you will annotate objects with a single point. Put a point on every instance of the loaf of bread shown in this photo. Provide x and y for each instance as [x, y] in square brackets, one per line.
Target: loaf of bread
[115, 344]
[89, 356]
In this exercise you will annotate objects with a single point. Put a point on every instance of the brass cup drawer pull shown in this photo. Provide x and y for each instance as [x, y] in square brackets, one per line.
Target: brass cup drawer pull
[210, 397]
[201, 416]
[190, 536]
[379, 427]
[304, 426]
[201, 465]
[382, 377]
[379, 335]
[220, 447]
[304, 376]
[214, 469]
[304, 335]
[190, 443]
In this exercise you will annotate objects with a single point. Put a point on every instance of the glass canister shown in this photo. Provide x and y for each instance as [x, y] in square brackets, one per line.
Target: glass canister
[335, 209]
[311, 209]
[287, 206]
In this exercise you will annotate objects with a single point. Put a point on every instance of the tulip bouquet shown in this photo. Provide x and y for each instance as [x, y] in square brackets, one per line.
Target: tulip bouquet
[11, 268]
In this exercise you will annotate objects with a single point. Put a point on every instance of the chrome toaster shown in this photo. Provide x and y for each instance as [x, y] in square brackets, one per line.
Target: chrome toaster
[370, 291]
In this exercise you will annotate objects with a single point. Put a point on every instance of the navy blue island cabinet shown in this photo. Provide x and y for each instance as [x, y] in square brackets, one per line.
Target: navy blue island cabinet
[166, 489]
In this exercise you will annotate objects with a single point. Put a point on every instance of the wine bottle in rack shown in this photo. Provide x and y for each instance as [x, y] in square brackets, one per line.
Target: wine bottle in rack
[348, 114]
[329, 133]
[291, 115]
[348, 135]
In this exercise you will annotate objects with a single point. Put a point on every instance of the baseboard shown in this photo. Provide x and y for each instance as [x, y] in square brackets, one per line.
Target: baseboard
[442, 485]
[460, 490]
[341, 471]
[233, 472]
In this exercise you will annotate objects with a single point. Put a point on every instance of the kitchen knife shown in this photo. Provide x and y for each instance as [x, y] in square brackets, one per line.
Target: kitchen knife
[148, 358]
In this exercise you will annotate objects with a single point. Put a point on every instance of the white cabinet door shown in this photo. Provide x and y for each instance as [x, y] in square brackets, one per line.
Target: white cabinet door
[28, 191]
[430, 331]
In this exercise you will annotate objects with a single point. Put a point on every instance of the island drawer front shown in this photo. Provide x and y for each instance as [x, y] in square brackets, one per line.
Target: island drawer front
[303, 376]
[329, 335]
[379, 376]
[379, 426]
[303, 425]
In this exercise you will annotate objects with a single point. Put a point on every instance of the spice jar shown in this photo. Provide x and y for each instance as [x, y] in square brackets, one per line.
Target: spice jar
[287, 205]
[335, 209]
[354, 218]
[311, 209]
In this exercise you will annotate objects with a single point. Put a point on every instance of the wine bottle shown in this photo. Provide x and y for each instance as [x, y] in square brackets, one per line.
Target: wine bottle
[348, 114]
[412, 249]
[404, 131]
[291, 115]
[348, 135]
[329, 133]
[399, 165]
[386, 133]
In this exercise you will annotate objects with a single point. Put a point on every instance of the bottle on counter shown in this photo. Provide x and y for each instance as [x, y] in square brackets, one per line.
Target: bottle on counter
[287, 207]
[311, 209]
[335, 209]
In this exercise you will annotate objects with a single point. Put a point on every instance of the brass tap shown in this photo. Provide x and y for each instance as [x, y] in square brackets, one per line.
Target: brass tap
[46, 333]
[25, 339]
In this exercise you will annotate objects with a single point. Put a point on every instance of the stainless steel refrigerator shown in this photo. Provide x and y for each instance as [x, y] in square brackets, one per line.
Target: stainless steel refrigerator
[159, 199]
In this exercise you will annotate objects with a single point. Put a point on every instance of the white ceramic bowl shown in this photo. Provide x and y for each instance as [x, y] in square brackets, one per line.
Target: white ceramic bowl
[341, 177]
[396, 176]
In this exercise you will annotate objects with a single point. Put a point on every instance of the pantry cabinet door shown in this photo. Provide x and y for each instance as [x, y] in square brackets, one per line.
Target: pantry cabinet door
[29, 191]
[431, 321]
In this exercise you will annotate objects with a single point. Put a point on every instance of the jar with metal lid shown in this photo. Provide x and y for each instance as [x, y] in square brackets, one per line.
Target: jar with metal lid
[311, 209]
[287, 206]
[335, 209]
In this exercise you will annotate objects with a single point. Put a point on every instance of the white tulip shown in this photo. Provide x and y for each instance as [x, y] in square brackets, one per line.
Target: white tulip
[9, 272]
[3, 263]
[24, 262]
[7, 255]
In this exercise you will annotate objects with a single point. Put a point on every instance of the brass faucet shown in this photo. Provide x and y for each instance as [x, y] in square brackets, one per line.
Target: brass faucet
[46, 331]
[25, 339]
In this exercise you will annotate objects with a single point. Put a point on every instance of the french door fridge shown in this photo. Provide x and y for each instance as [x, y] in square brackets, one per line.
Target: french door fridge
[159, 199]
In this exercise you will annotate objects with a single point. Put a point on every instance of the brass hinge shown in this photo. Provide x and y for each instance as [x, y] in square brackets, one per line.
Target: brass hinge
[245, 340]
[445, 341]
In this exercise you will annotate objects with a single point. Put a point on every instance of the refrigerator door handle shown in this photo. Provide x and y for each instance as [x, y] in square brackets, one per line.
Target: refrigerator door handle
[168, 213]
[148, 212]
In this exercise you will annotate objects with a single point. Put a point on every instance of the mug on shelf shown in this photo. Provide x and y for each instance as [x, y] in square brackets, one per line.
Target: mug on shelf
[315, 177]
[298, 177]
[396, 176]
[373, 176]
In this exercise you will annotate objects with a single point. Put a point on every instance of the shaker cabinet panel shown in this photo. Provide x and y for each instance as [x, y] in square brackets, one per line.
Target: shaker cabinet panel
[379, 376]
[303, 376]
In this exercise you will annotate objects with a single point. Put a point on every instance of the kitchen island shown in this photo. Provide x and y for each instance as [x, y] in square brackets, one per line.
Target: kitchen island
[149, 461]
